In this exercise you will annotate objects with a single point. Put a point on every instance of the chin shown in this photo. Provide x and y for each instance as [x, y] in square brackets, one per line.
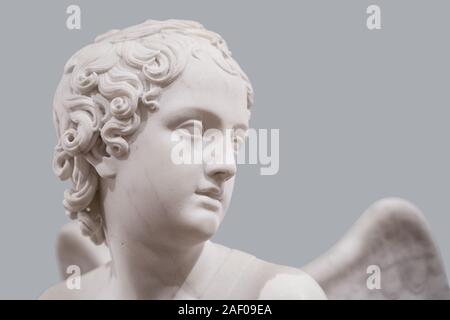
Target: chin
[201, 225]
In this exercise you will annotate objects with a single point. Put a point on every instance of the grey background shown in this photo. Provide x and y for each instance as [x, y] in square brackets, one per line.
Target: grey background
[362, 115]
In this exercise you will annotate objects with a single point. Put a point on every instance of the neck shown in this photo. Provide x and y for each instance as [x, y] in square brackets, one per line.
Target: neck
[143, 272]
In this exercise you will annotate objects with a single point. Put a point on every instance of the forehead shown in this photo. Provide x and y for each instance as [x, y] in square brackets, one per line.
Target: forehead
[206, 88]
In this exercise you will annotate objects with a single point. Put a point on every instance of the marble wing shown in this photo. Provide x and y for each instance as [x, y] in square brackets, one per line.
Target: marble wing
[388, 253]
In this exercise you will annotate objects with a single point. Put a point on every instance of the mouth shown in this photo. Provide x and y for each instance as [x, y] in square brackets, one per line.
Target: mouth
[211, 198]
[213, 193]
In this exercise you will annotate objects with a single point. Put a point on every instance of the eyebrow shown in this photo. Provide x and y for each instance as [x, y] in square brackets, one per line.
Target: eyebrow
[200, 114]
[240, 126]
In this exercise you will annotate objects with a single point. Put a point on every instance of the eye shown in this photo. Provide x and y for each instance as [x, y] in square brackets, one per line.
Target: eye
[238, 142]
[191, 128]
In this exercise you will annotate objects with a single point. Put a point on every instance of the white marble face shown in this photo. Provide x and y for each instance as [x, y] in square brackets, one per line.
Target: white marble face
[184, 201]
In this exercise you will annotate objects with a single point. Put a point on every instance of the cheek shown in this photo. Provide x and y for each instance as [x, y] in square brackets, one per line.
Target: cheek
[178, 182]
[170, 183]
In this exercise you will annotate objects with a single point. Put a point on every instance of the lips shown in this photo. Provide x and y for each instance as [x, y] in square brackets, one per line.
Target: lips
[212, 192]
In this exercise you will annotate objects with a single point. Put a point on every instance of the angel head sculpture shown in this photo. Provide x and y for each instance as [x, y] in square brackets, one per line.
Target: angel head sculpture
[115, 106]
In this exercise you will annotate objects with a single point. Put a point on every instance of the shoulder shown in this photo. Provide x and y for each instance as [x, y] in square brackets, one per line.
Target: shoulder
[287, 283]
[270, 281]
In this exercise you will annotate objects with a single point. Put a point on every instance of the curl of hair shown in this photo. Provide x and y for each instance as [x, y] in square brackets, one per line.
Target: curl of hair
[103, 85]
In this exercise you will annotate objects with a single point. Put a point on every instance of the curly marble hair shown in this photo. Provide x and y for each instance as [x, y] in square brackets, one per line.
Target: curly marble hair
[96, 104]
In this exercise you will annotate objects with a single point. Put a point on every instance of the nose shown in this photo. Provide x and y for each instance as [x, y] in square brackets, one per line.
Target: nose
[219, 157]
[220, 172]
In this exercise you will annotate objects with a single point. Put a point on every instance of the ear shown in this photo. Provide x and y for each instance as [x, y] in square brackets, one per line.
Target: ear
[105, 166]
